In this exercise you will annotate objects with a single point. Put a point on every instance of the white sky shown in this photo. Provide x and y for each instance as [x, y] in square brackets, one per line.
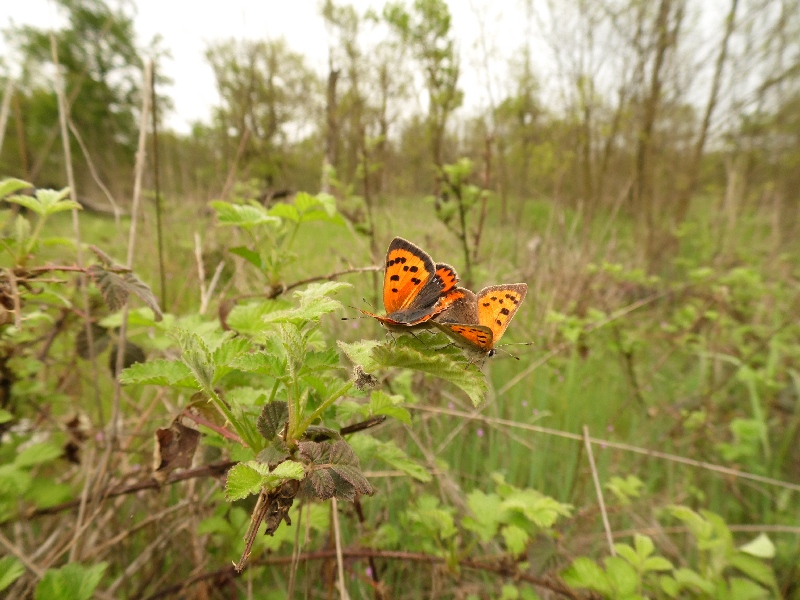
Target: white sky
[186, 29]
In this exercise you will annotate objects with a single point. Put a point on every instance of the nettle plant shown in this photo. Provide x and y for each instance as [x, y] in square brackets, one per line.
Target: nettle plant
[279, 394]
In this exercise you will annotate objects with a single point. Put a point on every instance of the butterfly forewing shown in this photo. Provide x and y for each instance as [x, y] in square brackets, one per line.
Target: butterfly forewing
[409, 271]
[448, 276]
[497, 305]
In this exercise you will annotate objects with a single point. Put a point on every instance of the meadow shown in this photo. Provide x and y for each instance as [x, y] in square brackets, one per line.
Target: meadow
[684, 381]
[193, 404]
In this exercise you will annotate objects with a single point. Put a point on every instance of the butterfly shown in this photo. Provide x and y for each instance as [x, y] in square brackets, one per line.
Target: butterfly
[415, 289]
[478, 322]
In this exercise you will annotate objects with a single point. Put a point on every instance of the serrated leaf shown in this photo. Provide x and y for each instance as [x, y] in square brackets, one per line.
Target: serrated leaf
[12, 185]
[585, 573]
[273, 454]
[10, 567]
[342, 454]
[761, 547]
[343, 489]
[381, 403]
[360, 353]
[487, 513]
[117, 287]
[243, 480]
[314, 452]
[322, 483]
[246, 216]
[314, 302]
[157, 372]
[272, 419]
[515, 538]
[37, 454]
[446, 363]
[196, 355]
[250, 318]
[354, 476]
[73, 581]
[288, 469]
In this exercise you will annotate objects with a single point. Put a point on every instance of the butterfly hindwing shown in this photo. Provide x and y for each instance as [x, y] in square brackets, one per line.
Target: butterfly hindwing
[474, 337]
[497, 305]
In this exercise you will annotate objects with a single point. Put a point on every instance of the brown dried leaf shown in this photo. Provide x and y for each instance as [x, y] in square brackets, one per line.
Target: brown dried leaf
[174, 448]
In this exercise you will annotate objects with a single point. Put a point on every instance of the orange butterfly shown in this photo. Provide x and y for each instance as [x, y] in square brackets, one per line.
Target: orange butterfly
[478, 322]
[414, 288]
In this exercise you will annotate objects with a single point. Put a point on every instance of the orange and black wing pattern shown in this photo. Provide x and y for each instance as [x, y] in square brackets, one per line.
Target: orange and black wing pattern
[474, 337]
[413, 285]
[497, 305]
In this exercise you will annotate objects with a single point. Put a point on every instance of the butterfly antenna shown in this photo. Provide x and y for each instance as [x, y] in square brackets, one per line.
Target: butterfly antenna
[514, 356]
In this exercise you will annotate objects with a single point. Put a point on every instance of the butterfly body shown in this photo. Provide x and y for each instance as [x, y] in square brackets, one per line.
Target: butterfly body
[415, 289]
[478, 325]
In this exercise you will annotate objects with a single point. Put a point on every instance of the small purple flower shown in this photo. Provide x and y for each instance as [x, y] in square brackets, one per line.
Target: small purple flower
[525, 403]
[535, 412]
[603, 446]
[369, 572]
[479, 432]
[450, 405]
[610, 428]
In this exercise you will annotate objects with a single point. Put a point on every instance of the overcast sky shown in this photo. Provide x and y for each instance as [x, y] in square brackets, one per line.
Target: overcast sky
[188, 27]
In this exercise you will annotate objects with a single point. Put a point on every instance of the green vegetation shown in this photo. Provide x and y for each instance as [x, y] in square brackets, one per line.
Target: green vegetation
[166, 414]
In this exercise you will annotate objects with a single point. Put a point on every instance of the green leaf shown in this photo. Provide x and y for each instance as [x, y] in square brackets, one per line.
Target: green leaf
[10, 567]
[5, 416]
[487, 513]
[246, 216]
[447, 363]
[28, 202]
[622, 576]
[157, 372]
[11, 185]
[381, 403]
[585, 573]
[516, 538]
[761, 547]
[288, 469]
[71, 582]
[314, 302]
[657, 563]
[37, 454]
[243, 480]
[754, 568]
[254, 258]
[360, 353]
[13, 481]
[272, 419]
[744, 589]
[117, 287]
[250, 318]
[644, 545]
[689, 579]
[368, 447]
[629, 554]
[196, 355]
[285, 211]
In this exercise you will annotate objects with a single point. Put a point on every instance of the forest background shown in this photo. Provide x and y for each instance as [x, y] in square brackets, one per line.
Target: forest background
[645, 187]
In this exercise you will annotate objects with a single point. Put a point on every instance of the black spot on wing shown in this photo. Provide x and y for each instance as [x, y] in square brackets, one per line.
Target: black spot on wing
[414, 269]
[395, 277]
[505, 311]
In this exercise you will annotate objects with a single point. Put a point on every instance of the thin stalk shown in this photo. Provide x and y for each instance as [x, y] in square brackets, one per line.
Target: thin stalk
[324, 406]
[157, 187]
[63, 119]
[137, 195]
[9, 91]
